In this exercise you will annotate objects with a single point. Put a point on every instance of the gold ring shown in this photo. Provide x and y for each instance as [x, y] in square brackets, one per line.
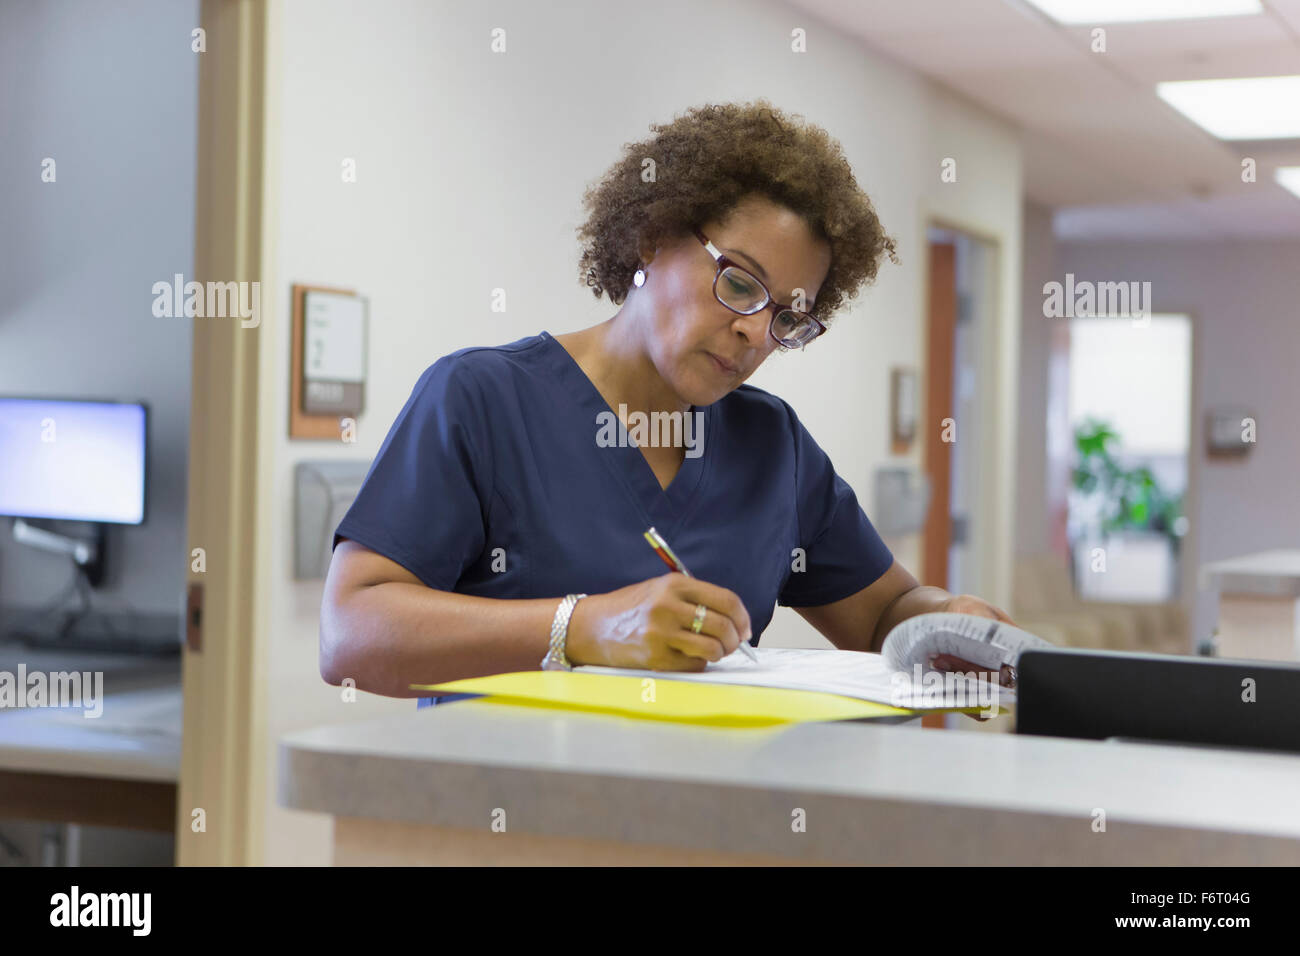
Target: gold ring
[698, 623]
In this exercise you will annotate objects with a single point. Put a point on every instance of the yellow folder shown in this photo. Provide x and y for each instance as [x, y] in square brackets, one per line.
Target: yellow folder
[718, 705]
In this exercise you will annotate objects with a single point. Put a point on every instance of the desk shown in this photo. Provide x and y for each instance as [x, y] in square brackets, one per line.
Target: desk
[1259, 605]
[119, 769]
[577, 789]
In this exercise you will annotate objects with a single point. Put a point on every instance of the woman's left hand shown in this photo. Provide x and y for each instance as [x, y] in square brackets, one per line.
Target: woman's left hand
[970, 604]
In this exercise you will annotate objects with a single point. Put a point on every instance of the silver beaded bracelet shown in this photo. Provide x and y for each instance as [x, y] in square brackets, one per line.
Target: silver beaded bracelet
[556, 659]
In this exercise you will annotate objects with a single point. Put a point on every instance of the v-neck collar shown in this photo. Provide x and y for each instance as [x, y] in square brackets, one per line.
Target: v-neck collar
[663, 507]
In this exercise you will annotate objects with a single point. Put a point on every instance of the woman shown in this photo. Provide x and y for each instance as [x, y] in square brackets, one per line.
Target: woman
[500, 525]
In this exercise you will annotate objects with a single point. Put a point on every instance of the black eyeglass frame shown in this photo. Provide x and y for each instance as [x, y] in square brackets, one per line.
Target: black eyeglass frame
[725, 262]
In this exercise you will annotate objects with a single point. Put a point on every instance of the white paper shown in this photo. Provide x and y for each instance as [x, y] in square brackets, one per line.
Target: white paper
[855, 674]
[335, 339]
[980, 640]
[890, 678]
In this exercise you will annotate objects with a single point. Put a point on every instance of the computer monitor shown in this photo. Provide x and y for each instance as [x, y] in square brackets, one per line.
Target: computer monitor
[1098, 695]
[73, 460]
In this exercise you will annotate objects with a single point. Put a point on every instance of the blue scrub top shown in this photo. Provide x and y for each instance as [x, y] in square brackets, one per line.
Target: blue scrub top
[497, 448]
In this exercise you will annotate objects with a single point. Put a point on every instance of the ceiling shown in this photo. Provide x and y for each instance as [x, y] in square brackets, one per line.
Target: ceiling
[1112, 158]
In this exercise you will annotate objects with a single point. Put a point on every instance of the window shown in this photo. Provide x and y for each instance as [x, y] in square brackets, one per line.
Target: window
[1129, 415]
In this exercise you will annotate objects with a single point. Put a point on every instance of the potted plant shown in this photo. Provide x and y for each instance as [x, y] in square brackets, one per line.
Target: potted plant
[1112, 500]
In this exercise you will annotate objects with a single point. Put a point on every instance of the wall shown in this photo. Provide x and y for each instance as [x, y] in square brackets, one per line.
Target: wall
[1244, 299]
[80, 83]
[471, 167]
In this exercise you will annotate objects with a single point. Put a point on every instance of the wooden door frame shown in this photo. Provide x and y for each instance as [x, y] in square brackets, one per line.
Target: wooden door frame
[223, 747]
[998, 369]
[940, 326]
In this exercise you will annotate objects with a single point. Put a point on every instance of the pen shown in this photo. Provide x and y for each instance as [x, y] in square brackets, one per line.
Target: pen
[657, 542]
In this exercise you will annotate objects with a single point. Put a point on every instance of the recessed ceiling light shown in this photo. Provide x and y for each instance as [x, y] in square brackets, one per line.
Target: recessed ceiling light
[1131, 11]
[1256, 107]
[1288, 177]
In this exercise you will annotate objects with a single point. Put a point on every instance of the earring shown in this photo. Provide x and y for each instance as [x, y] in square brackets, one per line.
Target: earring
[638, 279]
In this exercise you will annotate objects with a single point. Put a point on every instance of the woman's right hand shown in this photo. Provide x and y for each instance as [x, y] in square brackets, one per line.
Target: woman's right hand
[647, 625]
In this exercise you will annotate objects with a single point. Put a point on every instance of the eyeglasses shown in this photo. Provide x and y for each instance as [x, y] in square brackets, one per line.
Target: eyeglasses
[741, 291]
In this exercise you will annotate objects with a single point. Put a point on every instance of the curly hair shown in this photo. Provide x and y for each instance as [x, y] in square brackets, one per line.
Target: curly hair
[704, 163]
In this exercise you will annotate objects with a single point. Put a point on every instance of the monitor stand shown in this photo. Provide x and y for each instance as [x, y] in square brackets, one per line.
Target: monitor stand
[88, 555]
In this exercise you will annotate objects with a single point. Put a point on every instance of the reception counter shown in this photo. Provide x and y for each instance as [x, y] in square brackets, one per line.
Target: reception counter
[477, 782]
